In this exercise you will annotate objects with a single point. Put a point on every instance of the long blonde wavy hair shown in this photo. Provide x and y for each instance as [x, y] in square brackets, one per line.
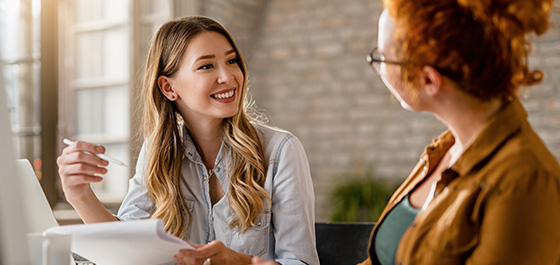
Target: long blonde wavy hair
[163, 125]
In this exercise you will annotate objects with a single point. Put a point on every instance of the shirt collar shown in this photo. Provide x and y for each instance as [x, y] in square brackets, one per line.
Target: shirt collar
[192, 154]
[436, 150]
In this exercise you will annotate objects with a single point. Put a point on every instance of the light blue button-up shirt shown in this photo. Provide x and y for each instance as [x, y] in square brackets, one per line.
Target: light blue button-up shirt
[285, 231]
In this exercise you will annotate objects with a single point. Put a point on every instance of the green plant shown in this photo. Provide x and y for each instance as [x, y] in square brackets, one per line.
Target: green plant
[361, 198]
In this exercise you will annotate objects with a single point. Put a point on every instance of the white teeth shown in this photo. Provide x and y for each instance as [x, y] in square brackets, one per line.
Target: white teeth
[224, 95]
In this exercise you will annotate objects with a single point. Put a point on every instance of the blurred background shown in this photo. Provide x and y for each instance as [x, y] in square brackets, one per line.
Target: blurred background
[72, 70]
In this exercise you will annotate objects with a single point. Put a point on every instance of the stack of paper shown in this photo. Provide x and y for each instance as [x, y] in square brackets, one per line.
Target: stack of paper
[123, 243]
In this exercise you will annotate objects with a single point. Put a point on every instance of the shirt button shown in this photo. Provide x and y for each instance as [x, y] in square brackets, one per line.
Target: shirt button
[189, 154]
[259, 223]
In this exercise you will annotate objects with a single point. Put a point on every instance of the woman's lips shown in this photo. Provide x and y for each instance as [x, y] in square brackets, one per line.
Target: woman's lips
[224, 96]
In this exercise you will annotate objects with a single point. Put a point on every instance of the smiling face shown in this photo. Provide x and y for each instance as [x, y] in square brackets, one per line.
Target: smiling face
[390, 73]
[209, 80]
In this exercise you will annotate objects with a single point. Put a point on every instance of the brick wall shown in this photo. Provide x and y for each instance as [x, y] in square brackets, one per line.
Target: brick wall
[242, 18]
[308, 72]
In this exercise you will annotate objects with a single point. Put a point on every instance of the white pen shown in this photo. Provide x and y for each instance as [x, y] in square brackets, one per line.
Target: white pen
[102, 156]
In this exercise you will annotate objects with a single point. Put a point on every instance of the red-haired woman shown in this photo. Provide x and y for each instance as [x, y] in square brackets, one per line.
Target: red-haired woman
[487, 191]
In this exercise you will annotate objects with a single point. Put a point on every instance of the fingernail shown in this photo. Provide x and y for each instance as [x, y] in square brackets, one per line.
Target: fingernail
[99, 149]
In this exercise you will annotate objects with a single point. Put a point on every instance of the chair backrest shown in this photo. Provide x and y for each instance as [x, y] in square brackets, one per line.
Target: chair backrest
[342, 243]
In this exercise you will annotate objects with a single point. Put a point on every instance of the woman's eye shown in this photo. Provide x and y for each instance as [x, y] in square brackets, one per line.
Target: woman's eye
[232, 61]
[205, 67]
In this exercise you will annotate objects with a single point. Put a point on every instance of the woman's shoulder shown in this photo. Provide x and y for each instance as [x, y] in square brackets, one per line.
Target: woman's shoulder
[268, 133]
[522, 162]
[525, 152]
[274, 140]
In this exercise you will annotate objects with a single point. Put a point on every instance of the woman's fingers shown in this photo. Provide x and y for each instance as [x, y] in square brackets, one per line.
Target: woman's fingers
[85, 147]
[86, 157]
[79, 167]
[77, 164]
[185, 258]
[81, 153]
[191, 254]
[256, 260]
[76, 180]
[215, 250]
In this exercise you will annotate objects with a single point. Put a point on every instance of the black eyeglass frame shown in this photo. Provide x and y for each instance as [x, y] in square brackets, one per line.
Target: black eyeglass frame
[371, 59]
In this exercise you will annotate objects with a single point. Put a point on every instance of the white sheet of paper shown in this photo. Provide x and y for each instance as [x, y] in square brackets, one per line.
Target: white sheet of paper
[124, 243]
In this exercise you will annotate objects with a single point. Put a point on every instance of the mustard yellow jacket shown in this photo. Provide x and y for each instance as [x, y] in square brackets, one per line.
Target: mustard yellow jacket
[498, 204]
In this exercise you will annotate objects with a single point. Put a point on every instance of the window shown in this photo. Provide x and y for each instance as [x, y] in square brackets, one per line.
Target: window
[103, 46]
[95, 71]
[71, 69]
[20, 55]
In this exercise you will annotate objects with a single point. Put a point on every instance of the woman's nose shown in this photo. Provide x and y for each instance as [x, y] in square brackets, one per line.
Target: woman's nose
[225, 75]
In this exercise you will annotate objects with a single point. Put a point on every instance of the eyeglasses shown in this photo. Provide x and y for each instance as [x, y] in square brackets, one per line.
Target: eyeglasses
[375, 58]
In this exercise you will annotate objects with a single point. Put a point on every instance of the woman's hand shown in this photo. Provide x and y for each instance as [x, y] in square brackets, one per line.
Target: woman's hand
[216, 251]
[78, 168]
[258, 261]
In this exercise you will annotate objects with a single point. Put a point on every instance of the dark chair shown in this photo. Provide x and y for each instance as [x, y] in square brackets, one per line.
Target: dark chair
[342, 243]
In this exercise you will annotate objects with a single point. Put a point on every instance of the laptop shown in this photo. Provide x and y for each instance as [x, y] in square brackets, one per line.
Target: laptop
[36, 208]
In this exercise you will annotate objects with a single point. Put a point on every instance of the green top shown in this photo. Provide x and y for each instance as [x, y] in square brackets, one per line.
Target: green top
[392, 229]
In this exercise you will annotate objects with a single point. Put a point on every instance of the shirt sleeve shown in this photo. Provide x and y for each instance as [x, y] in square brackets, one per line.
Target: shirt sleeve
[521, 222]
[136, 204]
[293, 206]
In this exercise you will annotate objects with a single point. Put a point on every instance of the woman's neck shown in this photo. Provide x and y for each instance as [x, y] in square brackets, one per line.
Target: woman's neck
[207, 137]
[466, 119]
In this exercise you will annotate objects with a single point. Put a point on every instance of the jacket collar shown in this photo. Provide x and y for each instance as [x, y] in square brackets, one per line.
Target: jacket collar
[500, 127]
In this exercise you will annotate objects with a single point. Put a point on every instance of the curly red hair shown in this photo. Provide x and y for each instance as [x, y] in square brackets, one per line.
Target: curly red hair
[479, 44]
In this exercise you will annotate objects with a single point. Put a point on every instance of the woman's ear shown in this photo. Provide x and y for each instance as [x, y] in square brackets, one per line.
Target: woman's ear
[164, 84]
[430, 80]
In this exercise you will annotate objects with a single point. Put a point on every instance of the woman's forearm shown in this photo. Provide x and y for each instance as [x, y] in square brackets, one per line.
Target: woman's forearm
[91, 210]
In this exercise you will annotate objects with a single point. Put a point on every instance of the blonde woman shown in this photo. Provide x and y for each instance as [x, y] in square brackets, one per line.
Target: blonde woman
[218, 179]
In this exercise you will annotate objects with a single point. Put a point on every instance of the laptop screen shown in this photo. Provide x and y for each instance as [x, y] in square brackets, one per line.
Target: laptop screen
[36, 207]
